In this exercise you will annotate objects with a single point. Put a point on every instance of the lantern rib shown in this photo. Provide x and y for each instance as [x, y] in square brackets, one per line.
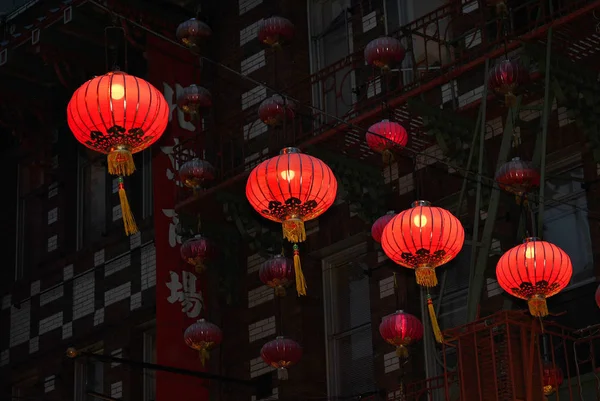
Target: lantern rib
[150, 101]
[110, 99]
[301, 178]
[99, 109]
[267, 184]
[279, 178]
[126, 102]
[312, 182]
[70, 111]
[410, 225]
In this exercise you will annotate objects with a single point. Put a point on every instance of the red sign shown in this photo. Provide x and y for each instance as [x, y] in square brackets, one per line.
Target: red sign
[179, 295]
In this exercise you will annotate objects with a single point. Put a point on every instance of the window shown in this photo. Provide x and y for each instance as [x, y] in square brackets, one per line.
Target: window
[150, 357]
[93, 198]
[89, 378]
[348, 324]
[453, 310]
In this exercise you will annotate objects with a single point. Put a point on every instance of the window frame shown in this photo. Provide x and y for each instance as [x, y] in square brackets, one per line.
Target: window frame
[80, 373]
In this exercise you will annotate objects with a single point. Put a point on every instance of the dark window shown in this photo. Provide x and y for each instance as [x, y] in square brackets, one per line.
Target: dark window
[93, 201]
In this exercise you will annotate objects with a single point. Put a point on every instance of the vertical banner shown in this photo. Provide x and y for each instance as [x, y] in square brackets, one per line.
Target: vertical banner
[179, 299]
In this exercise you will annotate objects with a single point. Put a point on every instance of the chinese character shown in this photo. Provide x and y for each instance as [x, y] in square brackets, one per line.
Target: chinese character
[168, 150]
[174, 237]
[185, 293]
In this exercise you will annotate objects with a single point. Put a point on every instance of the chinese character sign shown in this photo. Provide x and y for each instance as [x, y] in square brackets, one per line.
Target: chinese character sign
[185, 293]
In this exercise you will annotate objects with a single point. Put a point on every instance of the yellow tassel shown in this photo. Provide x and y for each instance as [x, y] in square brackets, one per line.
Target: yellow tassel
[426, 276]
[537, 306]
[434, 323]
[387, 156]
[300, 281]
[402, 352]
[204, 356]
[293, 230]
[510, 100]
[120, 162]
[128, 220]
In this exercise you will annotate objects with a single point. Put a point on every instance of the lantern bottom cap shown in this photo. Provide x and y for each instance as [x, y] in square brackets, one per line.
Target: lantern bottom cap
[421, 203]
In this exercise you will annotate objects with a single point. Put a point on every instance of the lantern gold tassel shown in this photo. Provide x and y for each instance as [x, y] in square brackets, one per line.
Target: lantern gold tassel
[128, 219]
[293, 230]
[434, 323]
[387, 157]
[300, 281]
[120, 162]
[282, 373]
[537, 306]
[510, 100]
[426, 276]
[280, 291]
[204, 356]
[402, 352]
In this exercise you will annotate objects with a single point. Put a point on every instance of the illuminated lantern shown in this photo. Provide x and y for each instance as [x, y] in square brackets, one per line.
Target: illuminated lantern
[534, 271]
[203, 336]
[194, 173]
[193, 99]
[423, 238]
[401, 330]
[506, 78]
[118, 114]
[384, 52]
[518, 177]
[598, 297]
[552, 378]
[192, 32]
[275, 31]
[385, 137]
[290, 189]
[274, 110]
[281, 353]
[379, 225]
[197, 251]
[278, 273]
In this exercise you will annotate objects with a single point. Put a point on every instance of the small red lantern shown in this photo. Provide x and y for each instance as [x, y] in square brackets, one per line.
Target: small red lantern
[118, 114]
[290, 189]
[195, 173]
[193, 99]
[534, 271]
[192, 32]
[552, 378]
[384, 52]
[281, 353]
[278, 273]
[385, 137]
[203, 336]
[518, 177]
[379, 225]
[401, 330]
[274, 110]
[506, 78]
[197, 251]
[598, 297]
[275, 31]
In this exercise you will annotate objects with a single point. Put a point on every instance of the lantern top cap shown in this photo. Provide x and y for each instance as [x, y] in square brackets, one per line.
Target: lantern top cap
[531, 239]
[391, 212]
[287, 151]
[400, 311]
[421, 203]
[516, 159]
[279, 337]
[201, 320]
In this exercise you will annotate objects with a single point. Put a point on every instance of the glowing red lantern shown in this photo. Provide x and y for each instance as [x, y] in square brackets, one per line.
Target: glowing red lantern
[384, 52]
[281, 353]
[197, 251]
[552, 378]
[506, 79]
[518, 177]
[118, 114]
[195, 173]
[275, 30]
[203, 336]
[290, 189]
[423, 238]
[193, 99]
[534, 271]
[401, 330]
[274, 110]
[385, 137]
[598, 297]
[379, 225]
[192, 32]
[278, 273]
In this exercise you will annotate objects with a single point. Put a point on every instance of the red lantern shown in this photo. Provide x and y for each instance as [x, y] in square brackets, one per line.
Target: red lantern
[278, 273]
[506, 78]
[379, 225]
[534, 271]
[274, 110]
[194, 99]
[194, 173]
[197, 251]
[203, 336]
[192, 32]
[423, 238]
[118, 114]
[552, 378]
[598, 297]
[281, 353]
[290, 189]
[401, 330]
[518, 177]
[384, 52]
[386, 136]
[275, 30]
